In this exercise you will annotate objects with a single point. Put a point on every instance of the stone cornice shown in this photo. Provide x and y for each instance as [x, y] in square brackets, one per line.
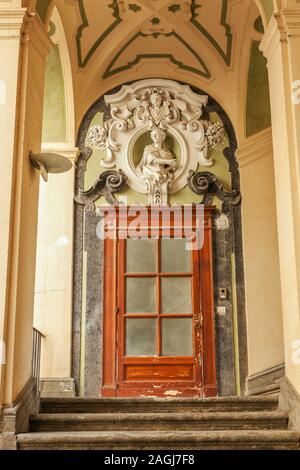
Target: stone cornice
[281, 27]
[71, 153]
[273, 36]
[255, 148]
[291, 21]
[11, 21]
[34, 32]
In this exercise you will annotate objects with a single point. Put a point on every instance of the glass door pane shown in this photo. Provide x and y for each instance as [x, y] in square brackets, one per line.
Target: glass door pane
[174, 256]
[140, 337]
[177, 337]
[141, 295]
[176, 295]
[140, 256]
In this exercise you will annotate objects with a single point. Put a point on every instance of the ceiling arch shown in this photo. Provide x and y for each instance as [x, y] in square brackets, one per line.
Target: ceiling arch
[266, 9]
[206, 43]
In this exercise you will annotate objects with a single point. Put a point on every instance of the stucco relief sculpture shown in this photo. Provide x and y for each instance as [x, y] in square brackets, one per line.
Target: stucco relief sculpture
[157, 168]
[103, 137]
[156, 109]
[149, 105]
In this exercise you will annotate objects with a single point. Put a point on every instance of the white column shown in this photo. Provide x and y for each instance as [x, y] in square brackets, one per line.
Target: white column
[23, 67]
[11, 20]
[281, 46]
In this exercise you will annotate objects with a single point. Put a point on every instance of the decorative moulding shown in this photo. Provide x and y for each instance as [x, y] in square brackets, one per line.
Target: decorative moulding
[147, 105]
[266, 382]
[291, 20]
[11, 21]
[206, 184]
[256, 147]
[71, 153]
[35, 33]
[274, 35]
[108, 183]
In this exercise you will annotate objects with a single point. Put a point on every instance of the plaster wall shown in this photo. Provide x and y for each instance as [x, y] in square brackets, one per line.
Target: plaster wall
[261, 256]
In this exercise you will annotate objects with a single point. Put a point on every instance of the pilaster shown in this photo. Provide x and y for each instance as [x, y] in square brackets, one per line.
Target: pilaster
[22, 188]
[281, 45]
[11, 23]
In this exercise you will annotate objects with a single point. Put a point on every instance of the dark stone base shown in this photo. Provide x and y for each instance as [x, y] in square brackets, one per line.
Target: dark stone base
[15, 418]
[57, 387]
[266, 382]
[289, 400]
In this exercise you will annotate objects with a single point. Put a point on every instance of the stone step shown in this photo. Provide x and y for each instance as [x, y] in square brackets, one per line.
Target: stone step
[141, 440]
[157, 405]
[158, 421]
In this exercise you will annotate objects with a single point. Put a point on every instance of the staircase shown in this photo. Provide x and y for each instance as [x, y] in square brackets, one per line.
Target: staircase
[159, 424]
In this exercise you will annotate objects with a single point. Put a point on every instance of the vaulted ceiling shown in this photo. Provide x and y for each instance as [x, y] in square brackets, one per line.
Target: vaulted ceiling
[206, 43]
[157, 29]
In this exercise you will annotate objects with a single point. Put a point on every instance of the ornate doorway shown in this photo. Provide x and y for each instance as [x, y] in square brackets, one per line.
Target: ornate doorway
[155, 138]
[158, 318]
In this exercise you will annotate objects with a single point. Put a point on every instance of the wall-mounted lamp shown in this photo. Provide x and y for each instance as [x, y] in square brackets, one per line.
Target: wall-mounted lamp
[49, 163]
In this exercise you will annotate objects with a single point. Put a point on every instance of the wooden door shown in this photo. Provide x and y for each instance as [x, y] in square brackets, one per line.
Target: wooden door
[158, 316]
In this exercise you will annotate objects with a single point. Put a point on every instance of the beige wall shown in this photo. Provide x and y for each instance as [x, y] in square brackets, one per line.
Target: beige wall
[54, 273]
[54, 267]
[261, 256]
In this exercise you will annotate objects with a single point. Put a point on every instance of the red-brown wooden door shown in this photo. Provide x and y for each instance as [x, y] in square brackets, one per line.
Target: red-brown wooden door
[158, 317]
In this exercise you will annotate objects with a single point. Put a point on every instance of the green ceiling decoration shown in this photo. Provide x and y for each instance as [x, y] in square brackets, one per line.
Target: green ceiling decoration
[258, 108]
[224, 52]
[134, 7]
[82, 61]
[42, 8]
[226, 55]
[155, 21]
[175, 7]
[202, 70]
[258, 25]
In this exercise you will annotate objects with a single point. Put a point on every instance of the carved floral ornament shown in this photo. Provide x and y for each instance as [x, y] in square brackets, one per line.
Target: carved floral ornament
[161, 107]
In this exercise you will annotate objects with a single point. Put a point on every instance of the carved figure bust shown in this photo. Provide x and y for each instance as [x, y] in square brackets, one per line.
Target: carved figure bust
[158, 163]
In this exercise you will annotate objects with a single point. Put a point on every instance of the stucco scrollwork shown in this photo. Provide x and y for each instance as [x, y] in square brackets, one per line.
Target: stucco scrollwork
[151, 104]
[107, 184]
[104, 137]
[206, 184]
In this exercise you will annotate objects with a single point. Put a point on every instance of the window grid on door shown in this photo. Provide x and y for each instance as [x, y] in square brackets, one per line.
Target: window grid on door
[161, 281]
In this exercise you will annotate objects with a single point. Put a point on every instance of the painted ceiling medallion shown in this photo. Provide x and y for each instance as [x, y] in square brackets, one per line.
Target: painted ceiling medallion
[161, 109]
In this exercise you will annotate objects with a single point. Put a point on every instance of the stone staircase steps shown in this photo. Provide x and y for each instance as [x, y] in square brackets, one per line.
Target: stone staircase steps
[235, 423]
[158, 440]
[158, 405]
[159, 421]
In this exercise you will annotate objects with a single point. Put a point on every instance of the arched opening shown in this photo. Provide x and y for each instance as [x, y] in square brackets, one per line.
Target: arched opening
[53, 289]
[90, 258]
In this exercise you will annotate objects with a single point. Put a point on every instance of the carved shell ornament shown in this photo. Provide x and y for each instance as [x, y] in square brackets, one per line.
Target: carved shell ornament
[147, 105]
